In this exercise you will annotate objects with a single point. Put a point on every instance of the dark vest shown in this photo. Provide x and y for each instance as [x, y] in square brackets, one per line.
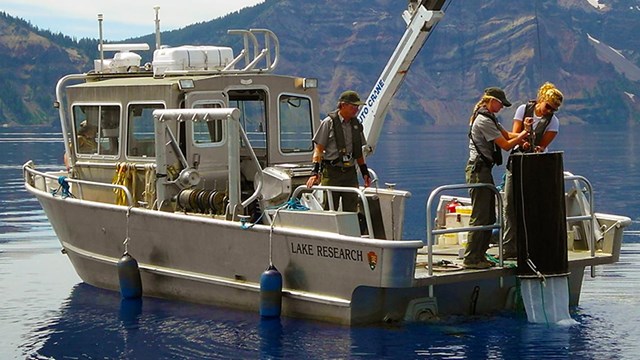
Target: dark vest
[356, 135]
[497, 151]
[540, 128]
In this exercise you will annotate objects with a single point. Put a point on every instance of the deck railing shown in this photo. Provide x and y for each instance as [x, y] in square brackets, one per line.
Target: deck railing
[431, 233]
[31, 175]
[330, 189]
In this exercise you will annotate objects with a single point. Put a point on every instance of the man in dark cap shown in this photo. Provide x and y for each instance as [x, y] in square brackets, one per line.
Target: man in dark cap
[338, 148]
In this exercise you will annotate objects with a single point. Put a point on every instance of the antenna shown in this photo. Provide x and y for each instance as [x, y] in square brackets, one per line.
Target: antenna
[100, 18]
[157, 9]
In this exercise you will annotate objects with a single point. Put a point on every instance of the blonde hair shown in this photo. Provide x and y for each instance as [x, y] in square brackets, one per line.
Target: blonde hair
[550, 94]
[483, 101]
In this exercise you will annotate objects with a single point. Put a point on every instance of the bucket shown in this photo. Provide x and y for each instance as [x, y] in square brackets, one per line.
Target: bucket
[463, 238]
[466, 210]
[448, 239]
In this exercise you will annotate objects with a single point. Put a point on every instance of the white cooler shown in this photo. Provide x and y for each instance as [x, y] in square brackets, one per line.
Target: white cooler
[194, 58]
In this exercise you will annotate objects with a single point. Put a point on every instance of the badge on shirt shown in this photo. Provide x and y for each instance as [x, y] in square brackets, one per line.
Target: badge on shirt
[346, 160]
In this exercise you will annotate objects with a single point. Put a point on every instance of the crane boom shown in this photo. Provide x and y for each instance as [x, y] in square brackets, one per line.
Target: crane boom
[421, 17]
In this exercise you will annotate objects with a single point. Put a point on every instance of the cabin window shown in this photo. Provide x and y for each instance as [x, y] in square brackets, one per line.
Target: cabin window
[141, 137]
[295, 124]
[253, 115]
[97, 129]
[207, 132]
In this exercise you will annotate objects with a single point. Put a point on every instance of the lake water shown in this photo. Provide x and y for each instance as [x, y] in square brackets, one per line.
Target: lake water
[48, 313]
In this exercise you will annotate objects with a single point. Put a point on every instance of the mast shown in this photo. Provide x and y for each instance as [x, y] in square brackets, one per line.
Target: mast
[157, 9]
[421, 16]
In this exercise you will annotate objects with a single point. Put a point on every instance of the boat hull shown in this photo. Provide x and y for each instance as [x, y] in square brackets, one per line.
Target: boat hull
[212, 261]
[327, 277]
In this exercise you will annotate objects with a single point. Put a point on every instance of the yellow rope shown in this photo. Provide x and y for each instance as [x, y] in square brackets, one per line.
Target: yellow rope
[125, 176]
[132, 176]
[149, 194]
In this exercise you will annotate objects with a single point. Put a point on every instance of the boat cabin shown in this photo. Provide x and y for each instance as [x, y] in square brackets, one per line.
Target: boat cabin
[112, 130]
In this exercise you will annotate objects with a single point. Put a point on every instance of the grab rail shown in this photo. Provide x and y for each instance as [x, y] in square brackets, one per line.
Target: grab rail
[361, 194]
[591, 235]
[591, 216]
[251, 54]
[567, 177]
[432, 232]
[29, 173]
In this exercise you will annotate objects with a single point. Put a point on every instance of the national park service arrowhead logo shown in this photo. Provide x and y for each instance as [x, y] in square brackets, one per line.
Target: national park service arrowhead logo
[373, 259]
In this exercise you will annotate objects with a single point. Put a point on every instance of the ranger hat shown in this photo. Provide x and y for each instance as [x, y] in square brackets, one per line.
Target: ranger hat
[498, 94]
[351, 97]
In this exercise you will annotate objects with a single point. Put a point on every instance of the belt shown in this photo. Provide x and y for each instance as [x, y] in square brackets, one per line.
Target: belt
[336, 163]
[478, 162]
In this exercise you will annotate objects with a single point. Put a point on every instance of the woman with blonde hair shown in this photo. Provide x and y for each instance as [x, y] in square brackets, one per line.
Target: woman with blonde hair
[540, 113]
[487, 139]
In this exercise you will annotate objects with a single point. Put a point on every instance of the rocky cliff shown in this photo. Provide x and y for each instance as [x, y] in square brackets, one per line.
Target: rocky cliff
[589, 49]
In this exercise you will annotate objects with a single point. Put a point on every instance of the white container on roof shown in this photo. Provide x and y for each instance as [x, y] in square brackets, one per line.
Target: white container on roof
[124, 60]
[191, 58]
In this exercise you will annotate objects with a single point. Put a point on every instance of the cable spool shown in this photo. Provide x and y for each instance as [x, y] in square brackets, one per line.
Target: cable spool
[219, 202]
[193, 200]
[270, 292]
[183, 199]
[129, 276]
[203, 200]
[211, 201]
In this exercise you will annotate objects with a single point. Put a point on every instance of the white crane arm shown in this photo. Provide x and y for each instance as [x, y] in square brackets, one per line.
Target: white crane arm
[421, 17]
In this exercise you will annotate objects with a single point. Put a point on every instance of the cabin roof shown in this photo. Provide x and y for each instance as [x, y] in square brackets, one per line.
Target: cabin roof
[171, 80]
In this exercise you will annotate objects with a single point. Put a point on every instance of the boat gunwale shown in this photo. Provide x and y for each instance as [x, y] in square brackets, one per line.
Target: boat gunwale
[203, 218]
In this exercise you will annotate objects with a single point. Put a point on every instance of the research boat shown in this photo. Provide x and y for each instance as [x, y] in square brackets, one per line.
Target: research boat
[194, 167]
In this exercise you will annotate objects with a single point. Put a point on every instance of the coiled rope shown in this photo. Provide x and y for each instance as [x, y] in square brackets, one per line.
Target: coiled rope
[149, 194]
[63, 189]
[291, 204]
[126, 175]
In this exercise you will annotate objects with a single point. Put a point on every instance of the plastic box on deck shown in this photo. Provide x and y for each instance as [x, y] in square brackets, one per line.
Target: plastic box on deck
[456, 220]
[464, 209]
[191, 58]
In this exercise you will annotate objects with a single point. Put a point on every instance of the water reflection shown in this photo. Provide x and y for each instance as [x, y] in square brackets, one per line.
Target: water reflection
[95, 323]
[48, 313]
[271, 338]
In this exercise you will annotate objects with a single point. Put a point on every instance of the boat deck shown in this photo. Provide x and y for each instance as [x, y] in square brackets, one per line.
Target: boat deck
[447, 265]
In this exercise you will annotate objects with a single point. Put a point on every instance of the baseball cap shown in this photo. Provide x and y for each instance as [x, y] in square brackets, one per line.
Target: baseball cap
[499, 94]
[351, 97]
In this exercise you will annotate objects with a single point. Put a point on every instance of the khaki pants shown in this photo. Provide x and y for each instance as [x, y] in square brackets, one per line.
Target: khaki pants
[341, 176]
[509, 214]
[483, 211]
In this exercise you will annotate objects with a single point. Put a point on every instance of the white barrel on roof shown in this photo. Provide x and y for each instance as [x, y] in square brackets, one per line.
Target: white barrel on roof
[191, 58]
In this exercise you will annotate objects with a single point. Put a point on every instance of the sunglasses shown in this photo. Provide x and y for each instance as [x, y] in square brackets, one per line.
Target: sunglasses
[550, 108]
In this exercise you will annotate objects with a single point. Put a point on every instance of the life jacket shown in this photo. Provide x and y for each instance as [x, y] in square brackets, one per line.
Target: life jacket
[356, 136]
[497, 151]
[542, 125]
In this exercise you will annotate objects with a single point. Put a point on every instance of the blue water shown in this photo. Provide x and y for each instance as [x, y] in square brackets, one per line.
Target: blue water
[48, 313]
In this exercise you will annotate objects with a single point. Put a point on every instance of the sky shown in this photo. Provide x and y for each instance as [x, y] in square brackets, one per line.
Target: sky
[123, 19]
